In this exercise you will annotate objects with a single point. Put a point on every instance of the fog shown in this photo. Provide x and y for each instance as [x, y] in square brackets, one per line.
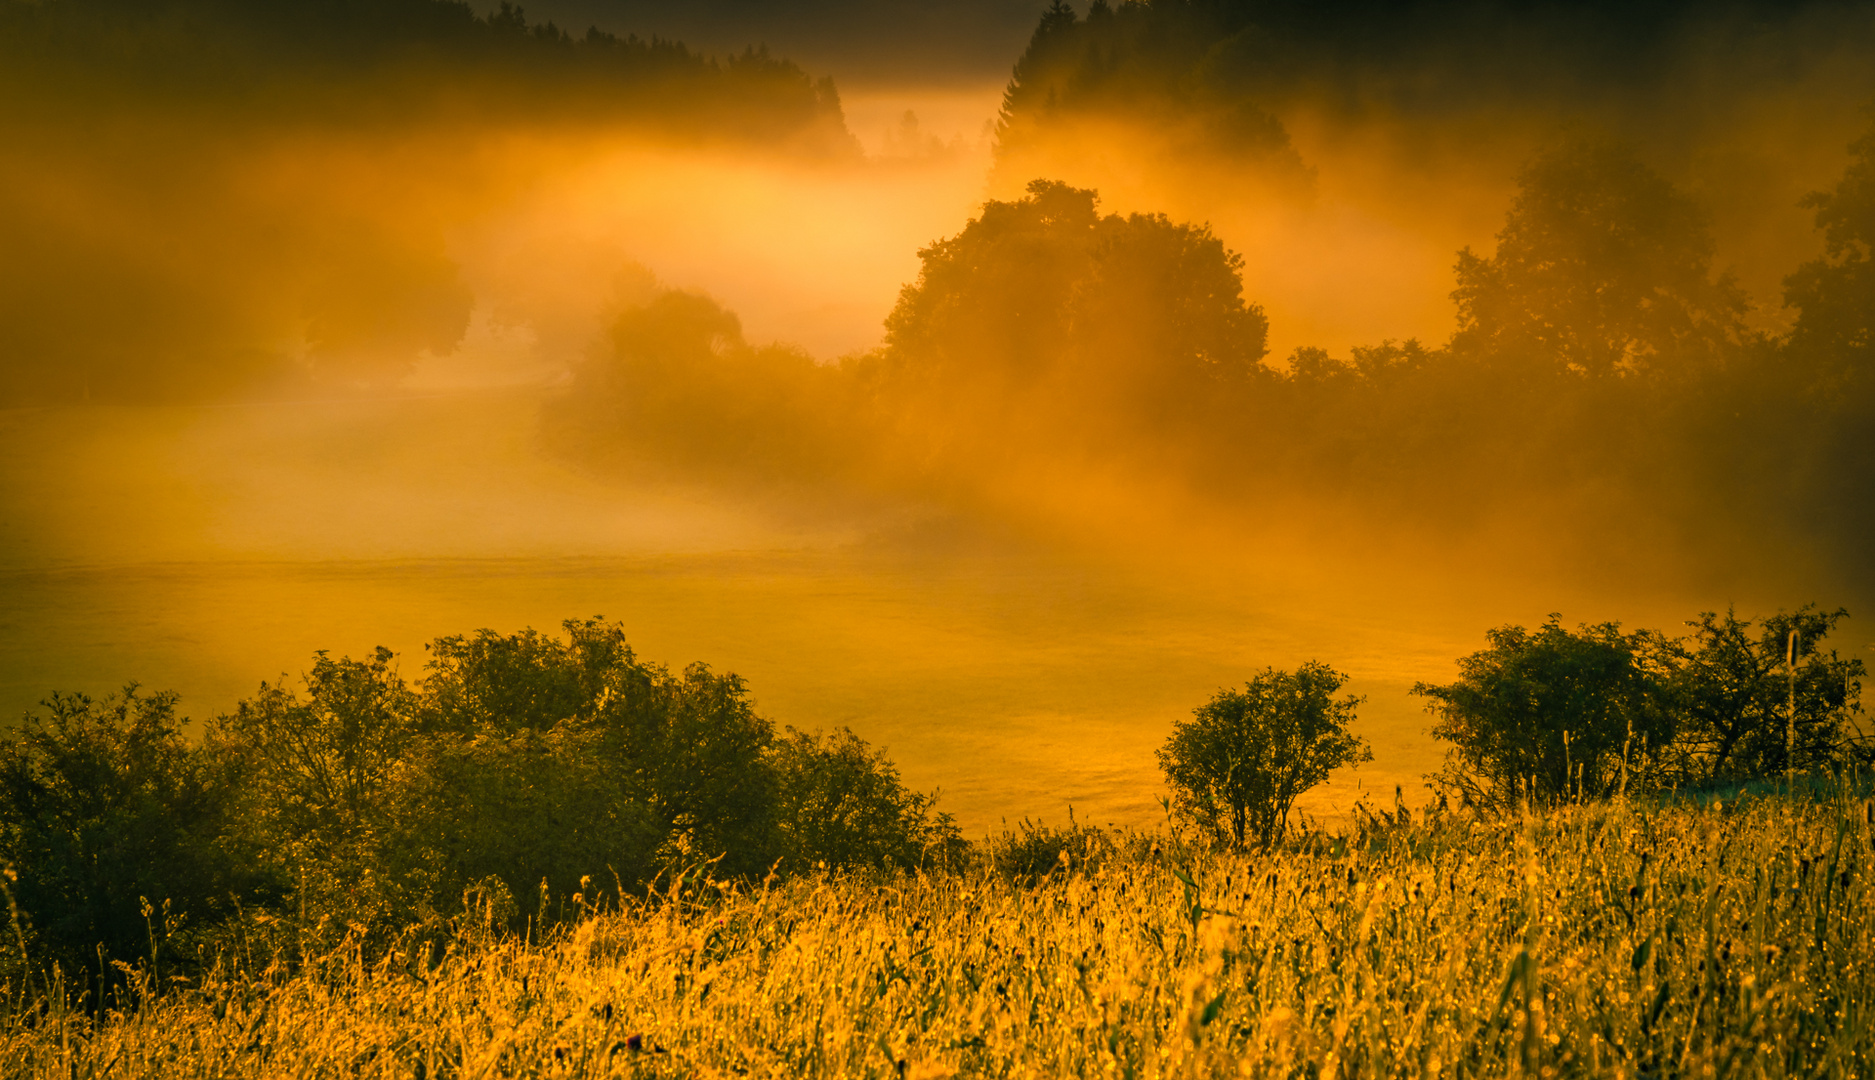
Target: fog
[375, 353]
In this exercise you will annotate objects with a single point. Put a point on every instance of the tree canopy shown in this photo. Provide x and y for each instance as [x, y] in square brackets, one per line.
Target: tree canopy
[1550, 715]
[1602, 269]
[1834, 296]
[1131, 318]
[1237, 766]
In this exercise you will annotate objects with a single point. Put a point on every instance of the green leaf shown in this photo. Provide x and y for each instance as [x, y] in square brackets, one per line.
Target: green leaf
[1211, 1010]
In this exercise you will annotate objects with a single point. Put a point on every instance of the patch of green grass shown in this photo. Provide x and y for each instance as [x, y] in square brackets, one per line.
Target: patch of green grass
[1613, 940]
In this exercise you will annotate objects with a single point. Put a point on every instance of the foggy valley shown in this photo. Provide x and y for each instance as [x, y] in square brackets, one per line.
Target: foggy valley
[358, 346]
[1170, 538]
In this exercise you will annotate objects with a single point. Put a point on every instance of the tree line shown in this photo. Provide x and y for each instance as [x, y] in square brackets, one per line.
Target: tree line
[529, 778]
[1602, 385]
[348, 61]
[536, 775]
[1200, 84]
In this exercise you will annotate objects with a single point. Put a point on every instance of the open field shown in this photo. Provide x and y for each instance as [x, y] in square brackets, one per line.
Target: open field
[1729, 939]
[1018, 676]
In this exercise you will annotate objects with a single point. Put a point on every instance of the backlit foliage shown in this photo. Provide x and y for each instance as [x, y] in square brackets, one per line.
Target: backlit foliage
[1617, 940]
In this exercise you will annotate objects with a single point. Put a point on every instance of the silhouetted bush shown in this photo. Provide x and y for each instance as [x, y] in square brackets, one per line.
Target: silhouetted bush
[1554, 715]
[525, 765]
[1766, 704]
[119, 837]
[1033, 851]
[1236, 767]
[1551, 716]
[843, 806]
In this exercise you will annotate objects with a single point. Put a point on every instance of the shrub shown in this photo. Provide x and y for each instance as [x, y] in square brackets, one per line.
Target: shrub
[1032, 851]
[1758, 705]
[841, 803]
[119, 833]
[324, 781]
[1236, 767]
[525, 764]
[1550, 715]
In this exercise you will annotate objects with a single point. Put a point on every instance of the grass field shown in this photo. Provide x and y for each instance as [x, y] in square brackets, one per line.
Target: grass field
[1731, 939]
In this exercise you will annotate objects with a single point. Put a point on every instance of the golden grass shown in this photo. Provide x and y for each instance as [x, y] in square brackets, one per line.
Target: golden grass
[1601, 941]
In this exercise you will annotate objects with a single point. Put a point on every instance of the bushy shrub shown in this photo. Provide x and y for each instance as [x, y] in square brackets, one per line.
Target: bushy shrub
[1237, 766]
[1765, 703]
[842, 805]
[324, 781]
[119, 834]
[1554, 715]
[1550, 715]
[1032, 851]
[527, 765]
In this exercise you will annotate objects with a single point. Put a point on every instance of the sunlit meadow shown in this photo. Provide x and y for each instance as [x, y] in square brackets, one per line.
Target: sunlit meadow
[1725, 938]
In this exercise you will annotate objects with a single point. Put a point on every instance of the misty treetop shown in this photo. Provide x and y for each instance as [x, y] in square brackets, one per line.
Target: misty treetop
[676, 388]
[1203, 80]
[1177, 71]
[1043, 297]
[1603, 268]
[1834, 296]
[1042, 325]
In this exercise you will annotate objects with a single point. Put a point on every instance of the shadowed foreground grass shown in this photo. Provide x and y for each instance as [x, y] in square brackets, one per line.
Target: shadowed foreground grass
[1731, 939]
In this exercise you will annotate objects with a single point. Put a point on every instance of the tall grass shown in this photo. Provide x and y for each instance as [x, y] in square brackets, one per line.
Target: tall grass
[1717, 939]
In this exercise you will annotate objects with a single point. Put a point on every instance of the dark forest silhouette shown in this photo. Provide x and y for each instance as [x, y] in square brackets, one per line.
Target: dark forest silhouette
[366, 61]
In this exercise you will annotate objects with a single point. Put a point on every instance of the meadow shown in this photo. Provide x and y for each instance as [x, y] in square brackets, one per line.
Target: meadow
[1720, 937]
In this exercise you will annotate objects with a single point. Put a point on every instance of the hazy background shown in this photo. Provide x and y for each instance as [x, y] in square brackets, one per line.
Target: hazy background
[279, 336]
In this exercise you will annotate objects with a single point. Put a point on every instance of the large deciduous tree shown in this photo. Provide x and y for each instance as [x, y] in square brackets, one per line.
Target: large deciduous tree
[1044, 308]
[1603, 268]
[1835, 295]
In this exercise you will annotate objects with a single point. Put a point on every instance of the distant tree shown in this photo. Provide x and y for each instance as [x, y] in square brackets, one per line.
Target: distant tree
[1237, 766]
[1550, 714]
[1753, 705]
[1106, 318]
[1834, 296]
[120, 835]
[1826, 368]
[676, 387]
[374, 300]
[1179, 80]
[1603, 268]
